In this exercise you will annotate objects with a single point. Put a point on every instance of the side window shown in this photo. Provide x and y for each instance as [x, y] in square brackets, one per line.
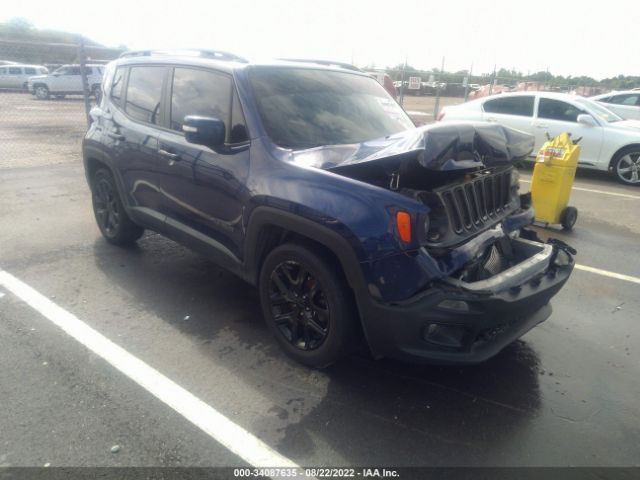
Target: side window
[238, 132]
[199, 92]
[3, 71]
[116, 87]
[558, 110]
[30, 71]
[15, 71]
[520, 105]
[144, 93]
[74, 71]
[88, 70]
[628, 99]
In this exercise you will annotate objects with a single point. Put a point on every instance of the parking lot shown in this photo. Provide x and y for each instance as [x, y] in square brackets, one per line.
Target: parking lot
[566, 394]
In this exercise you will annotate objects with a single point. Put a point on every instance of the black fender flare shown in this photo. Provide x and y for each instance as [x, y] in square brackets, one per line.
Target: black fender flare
[264, 216]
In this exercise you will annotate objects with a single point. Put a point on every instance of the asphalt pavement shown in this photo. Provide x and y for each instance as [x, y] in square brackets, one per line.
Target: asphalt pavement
[566, 394]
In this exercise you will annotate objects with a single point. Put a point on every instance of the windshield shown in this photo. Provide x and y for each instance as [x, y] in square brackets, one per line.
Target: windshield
[304, 108]
[598, 110]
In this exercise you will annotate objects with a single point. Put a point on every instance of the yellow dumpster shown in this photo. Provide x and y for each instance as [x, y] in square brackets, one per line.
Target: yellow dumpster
[552, 180]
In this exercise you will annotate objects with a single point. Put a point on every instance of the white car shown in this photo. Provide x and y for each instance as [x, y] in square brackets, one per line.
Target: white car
[608, 142]
[626, 103]
[66, 80]
[15, 76]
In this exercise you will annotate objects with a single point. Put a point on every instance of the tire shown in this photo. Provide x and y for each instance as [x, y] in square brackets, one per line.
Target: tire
[41, 92]
[112, 219]
[626, 166]
[569, 217]
[308, 305]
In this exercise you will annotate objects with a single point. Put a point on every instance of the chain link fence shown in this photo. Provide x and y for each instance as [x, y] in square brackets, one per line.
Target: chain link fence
[46, 129]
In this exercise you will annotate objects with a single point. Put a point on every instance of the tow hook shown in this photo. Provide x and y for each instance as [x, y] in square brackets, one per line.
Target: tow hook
[560, 246]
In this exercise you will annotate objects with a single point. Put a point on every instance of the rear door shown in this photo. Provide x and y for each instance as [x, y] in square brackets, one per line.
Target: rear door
[131, 135]
[556, 116]
[204, 190]
[511, 111]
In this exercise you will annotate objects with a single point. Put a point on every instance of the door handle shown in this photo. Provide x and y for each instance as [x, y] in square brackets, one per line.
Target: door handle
[492, 119]
[115, 135]
[541, 125]
[173, 157]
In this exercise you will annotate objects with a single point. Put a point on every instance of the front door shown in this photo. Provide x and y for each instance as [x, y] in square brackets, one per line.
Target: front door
[204, 190]
[556, 116]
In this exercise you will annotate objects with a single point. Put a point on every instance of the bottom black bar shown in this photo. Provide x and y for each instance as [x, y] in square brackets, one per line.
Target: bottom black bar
[405, 473]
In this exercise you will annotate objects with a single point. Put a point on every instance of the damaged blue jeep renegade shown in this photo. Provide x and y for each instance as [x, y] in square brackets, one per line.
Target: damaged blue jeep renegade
[310, 182]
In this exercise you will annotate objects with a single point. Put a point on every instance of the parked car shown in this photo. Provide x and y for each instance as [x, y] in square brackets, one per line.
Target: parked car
[626, 103]
[608, 142]
[66, 80]
[16, 76]
[311, 183]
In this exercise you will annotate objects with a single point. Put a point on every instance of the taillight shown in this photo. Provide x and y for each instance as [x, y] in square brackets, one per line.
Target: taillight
[403, 222]
[440, 116]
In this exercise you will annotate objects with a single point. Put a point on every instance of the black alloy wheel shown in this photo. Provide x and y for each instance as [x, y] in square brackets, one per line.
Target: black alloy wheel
[112, 219]
[299, 306]
[308, 304]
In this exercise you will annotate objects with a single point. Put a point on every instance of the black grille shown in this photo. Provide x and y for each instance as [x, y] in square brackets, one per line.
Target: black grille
[483, 199]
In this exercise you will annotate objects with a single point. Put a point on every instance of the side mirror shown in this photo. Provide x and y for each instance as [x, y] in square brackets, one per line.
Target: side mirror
[207, 131]
[587, 120]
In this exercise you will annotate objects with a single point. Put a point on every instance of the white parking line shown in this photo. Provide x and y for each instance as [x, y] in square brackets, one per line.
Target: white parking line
[607, 273]
[590, 190]
[236, 439]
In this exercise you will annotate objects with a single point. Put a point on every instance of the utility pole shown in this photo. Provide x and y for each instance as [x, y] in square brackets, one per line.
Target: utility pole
[404, 67]
[466, 87]
[85, 81]
[436, 107]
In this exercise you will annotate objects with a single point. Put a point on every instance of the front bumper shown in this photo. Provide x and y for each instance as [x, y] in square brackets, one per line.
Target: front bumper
[457, 323]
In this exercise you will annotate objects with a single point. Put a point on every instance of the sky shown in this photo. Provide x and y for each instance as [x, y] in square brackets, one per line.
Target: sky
[598, 39]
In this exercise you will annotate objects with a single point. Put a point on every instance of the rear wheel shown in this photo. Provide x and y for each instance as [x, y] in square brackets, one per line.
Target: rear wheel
[308, 305]
[113, 221]
[42, 92]
[626, 166]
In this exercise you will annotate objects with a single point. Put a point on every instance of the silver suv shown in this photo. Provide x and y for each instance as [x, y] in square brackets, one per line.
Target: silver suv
[66, 80]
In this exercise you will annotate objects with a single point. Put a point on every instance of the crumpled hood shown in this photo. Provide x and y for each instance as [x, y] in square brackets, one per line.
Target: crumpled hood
[442, 147]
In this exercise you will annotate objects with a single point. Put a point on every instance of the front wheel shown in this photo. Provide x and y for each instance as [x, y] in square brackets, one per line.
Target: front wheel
[97, 93]
[308, 305]
[113, 221]
[42, 92]
[626, 166]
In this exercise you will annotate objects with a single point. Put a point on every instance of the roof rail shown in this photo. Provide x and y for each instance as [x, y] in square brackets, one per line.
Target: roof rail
[205, 53]
[328, 63]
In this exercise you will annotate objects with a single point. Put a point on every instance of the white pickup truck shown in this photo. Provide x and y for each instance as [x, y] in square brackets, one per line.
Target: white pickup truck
[66, 80]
